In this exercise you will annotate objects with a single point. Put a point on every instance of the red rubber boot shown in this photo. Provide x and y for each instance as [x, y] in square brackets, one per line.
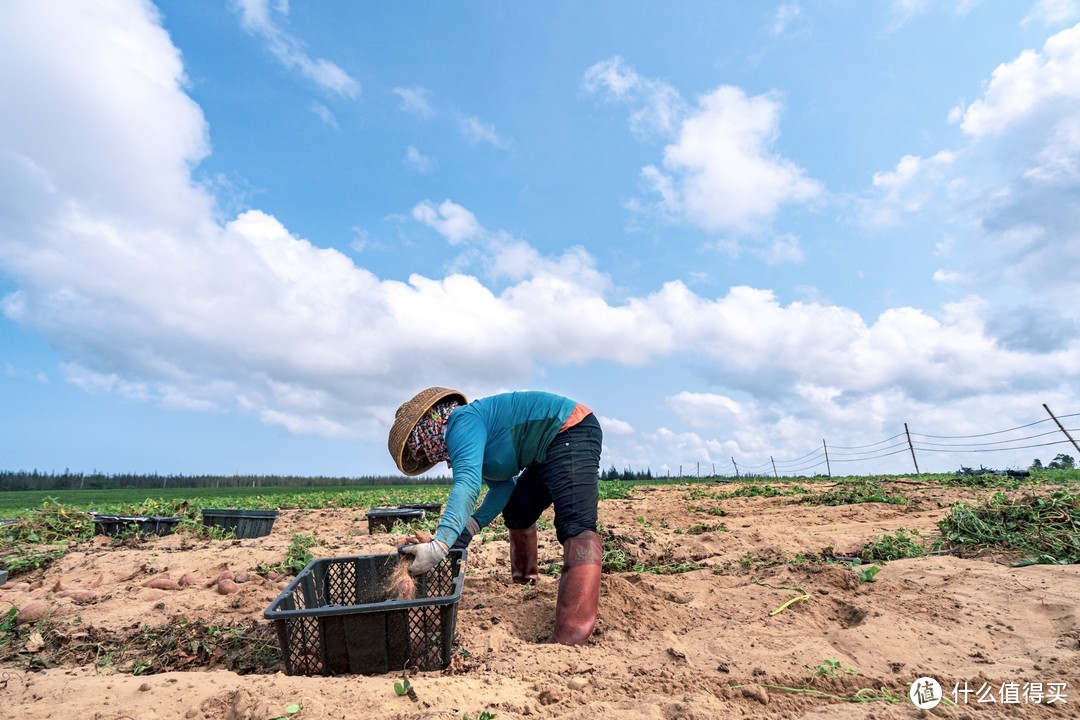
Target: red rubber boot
[523, 568]
[579, 589]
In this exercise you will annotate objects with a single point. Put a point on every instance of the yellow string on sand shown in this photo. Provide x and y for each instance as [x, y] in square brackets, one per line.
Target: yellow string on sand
[796, 599]
[804, 596]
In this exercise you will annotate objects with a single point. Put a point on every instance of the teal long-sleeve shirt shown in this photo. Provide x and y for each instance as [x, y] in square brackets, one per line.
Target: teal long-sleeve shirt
[491, 440]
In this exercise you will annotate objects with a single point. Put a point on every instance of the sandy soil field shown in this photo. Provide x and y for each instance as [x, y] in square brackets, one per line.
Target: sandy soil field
[769, 625]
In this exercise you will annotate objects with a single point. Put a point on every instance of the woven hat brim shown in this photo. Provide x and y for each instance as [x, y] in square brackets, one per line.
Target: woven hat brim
[405, 420]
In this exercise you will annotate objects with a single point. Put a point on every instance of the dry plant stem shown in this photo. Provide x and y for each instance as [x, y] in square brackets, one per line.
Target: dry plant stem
[401, 584]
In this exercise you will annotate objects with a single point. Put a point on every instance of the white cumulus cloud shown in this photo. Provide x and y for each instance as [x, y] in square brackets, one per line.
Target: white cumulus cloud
[656, 106]
[722, 171]
[1007, 193]
[419, 161]
[907, 188]
[1022, 88]
[415, 100]
[258, 18]
[1053, 12]
[449, 219]
[784, 16]
[477, 131]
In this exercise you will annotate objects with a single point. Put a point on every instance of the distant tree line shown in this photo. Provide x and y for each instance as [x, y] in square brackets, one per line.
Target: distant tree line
[35, 480]
[1060, 462]
[626, 475]
[67, 480]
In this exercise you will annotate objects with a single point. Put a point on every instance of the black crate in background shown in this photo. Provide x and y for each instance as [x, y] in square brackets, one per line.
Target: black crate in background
[334, 617]
[431, 508]
[384, 518]
[245, 523]
[141, 524]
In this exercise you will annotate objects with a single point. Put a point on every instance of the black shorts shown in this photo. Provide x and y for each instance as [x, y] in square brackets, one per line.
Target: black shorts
[569, 478]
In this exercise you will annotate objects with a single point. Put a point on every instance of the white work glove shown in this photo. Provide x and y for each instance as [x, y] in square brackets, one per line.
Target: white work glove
[425, 555]
[471, 528]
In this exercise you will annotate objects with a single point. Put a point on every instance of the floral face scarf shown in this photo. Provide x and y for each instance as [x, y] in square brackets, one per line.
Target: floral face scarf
[427, 440]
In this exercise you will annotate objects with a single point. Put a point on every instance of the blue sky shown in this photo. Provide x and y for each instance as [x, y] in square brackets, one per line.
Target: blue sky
[235, 236]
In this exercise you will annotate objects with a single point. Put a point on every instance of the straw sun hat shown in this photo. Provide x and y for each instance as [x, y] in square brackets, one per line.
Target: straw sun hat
[407, 417]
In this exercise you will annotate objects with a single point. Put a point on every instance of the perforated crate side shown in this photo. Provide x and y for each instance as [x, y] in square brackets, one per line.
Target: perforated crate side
[159, 525]
[325, 629]
[362, 581]
[431, 636]
[254, 527]
[370, 643]
[299, 636]
[340, 581]
[245, 523]
[440, 581]
[305, 595]
[301, 645]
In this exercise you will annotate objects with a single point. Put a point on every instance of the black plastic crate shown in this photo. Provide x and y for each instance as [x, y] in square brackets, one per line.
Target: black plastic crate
[140, 524]
[432, 508]
[384, 518]
[246, 523]
[334, 618]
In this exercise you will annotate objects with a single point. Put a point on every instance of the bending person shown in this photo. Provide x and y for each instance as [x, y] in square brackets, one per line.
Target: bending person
[554, 443]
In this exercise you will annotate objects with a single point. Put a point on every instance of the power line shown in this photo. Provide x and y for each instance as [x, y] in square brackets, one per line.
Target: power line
[1018, 447]
[996, 432]
[872, 457]
[820, 456]
[999, 442]
[858, 447]
[812, 452]
[819, 453]
[902, 445]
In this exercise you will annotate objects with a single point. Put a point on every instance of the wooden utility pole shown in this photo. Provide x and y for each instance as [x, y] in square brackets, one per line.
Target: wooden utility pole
[1062, 428]
[828, 469]
[912, 448]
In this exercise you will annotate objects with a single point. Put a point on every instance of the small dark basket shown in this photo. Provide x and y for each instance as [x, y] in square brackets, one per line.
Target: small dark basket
[140, 524]
[432, 508]
[246, 523]
[334, 617]
[384, 518]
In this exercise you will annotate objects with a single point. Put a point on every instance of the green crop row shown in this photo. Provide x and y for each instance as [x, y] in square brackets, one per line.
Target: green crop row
[154, 502]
